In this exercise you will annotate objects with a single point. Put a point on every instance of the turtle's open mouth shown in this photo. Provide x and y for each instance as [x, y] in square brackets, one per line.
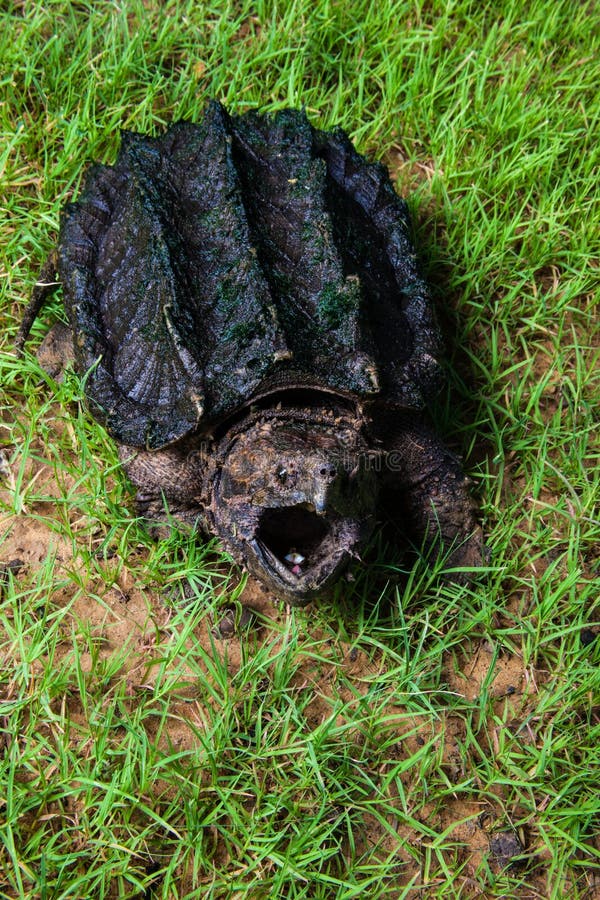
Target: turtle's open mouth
[293, 534]
[300, 548]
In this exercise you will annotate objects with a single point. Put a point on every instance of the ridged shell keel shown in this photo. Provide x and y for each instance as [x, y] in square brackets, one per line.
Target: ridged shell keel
[237, 256]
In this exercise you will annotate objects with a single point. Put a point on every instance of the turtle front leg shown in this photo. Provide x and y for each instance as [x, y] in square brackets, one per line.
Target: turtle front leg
[169, 483]
[431, 491]
[56, 351]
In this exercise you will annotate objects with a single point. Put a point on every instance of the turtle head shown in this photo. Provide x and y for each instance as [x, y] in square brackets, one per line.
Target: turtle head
[295, 501]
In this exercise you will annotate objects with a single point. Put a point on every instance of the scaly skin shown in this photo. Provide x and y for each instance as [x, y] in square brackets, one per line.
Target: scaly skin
[433, 493]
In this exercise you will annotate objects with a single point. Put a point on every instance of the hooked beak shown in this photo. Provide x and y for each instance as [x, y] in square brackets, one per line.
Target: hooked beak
[302, 549]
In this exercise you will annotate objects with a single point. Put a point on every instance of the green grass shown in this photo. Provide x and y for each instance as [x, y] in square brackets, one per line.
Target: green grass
[372, 745]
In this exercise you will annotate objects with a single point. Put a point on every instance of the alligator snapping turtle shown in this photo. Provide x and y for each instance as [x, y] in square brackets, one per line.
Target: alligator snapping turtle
[244, 298]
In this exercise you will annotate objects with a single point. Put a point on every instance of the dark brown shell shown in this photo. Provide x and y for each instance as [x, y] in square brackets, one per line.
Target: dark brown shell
[231, 258]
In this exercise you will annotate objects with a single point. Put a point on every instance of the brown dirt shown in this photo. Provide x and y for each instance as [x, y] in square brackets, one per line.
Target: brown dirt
[123, 615]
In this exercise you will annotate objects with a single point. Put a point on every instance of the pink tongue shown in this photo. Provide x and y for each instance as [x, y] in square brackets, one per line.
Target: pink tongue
[297, 570]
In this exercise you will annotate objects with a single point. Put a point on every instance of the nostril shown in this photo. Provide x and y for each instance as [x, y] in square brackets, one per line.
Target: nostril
[326, 471]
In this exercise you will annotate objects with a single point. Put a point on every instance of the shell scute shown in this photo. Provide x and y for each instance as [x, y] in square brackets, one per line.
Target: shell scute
[223, 259]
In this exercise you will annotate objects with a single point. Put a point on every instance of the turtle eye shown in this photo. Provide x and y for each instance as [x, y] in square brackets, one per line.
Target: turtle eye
[282, 475]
